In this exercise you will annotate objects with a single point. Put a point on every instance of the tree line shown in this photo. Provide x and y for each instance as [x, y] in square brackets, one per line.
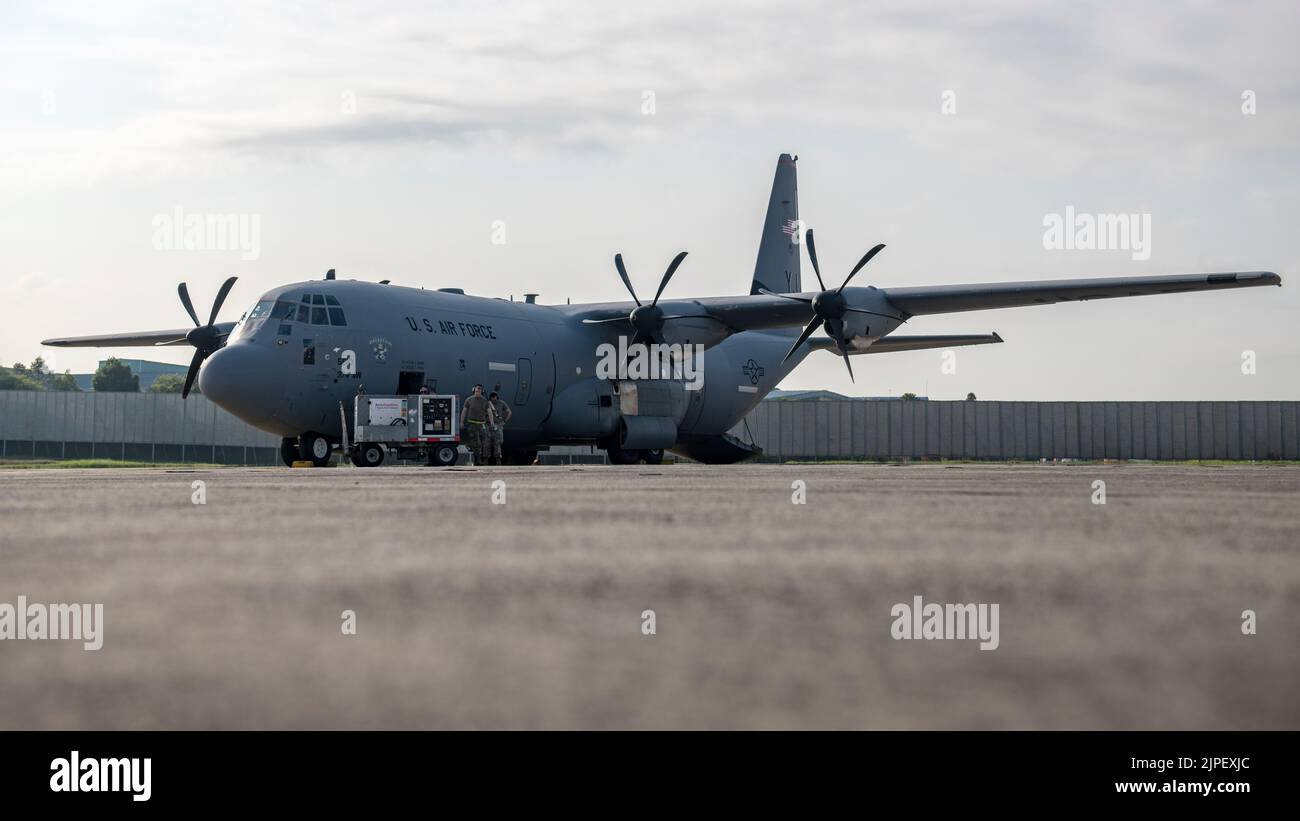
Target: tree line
[112, 376]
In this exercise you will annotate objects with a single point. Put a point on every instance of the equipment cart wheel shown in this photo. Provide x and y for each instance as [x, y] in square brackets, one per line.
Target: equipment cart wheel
[443, 455]
[369, 455]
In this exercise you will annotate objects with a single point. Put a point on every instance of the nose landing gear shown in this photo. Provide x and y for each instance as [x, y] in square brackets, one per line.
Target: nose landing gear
[310, 447]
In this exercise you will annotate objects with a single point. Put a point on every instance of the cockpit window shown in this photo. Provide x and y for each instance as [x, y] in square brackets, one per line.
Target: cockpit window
[261, 310]
[316, 309]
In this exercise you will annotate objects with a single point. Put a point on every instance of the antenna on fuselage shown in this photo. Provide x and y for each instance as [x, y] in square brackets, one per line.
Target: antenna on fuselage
[329, 274]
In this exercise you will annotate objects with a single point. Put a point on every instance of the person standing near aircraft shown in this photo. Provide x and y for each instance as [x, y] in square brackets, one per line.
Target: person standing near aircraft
[496, 431]
[473, 423]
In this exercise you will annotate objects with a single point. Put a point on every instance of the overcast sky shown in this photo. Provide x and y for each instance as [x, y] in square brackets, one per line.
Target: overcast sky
[384, 139]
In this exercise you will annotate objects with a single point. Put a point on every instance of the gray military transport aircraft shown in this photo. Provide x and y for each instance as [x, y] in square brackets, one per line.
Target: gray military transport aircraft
[304, 348]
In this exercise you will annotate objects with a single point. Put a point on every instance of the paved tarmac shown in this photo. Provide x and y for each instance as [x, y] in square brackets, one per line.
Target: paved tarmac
[768, 614]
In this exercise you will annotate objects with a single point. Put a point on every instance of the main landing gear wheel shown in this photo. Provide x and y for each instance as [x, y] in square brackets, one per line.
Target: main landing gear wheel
[654, 456]
[443, 456]
[618, 456]
[520, 457]
[288, 451]
[368, 456]
[315, 448]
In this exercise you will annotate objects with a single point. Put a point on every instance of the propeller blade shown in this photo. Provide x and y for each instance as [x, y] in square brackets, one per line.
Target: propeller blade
[690, 316]
[812, 255]
[199, 356]
[221, 297]
[865, 259]
[836, 330]
[849, 366]
[672, 267]
[803, 337]
[605, 321]
[622, 272]
[185, 300]
[785, 296]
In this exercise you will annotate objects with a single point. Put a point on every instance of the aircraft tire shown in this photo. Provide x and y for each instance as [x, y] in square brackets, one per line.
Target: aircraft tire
[653, 457]
[288, 451]
[314, 448]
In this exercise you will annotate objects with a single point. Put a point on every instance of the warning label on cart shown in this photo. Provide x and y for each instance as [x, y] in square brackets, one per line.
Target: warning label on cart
[388, 411]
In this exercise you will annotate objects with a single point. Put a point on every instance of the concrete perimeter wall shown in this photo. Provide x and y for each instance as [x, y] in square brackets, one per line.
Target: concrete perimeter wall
[165, 428]
[146, 427]
[894, 429]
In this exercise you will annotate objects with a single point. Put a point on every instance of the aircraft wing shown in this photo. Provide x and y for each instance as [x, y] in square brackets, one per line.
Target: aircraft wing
[128, 340]
[943, 299]
[760, 312]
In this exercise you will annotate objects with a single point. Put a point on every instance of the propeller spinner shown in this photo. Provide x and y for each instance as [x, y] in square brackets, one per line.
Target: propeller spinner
[206, 339]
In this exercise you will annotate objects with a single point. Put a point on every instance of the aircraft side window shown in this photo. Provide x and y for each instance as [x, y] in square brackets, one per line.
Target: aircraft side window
[306, 298]
[284, 311]
[336, 317]
[317, 299]
[304, 313]
[330, 300]
[318, 317]
[308, 352]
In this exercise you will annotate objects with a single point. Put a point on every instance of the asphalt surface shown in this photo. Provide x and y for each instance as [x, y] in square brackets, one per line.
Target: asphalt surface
[767, 614]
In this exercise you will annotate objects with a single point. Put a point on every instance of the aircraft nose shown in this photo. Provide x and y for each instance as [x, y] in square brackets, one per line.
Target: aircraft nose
[239, 379]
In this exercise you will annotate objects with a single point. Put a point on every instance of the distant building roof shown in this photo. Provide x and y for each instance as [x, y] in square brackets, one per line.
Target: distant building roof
[146, 369]
[806, 396]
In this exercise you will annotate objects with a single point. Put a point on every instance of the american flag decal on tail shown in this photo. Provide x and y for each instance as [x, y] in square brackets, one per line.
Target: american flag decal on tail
[790, 227]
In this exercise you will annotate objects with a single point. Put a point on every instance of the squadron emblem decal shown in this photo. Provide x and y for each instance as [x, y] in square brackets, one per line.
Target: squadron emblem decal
[379, 347]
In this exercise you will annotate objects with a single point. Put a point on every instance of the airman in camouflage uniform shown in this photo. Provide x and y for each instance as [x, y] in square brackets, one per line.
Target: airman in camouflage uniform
[496, 427]
[473, 424]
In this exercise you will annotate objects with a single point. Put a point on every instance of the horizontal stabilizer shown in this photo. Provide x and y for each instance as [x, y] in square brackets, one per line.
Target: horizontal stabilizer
[890, 344]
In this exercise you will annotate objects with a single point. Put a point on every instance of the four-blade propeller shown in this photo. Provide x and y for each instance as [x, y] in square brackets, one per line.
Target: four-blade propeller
[647, 320]
[206, 339]
[829, 307]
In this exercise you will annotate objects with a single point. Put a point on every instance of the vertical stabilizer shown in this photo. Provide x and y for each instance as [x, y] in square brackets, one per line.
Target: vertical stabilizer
[777, 268]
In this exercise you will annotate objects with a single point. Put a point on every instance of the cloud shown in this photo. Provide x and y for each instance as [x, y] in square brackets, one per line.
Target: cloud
[1081, 81]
